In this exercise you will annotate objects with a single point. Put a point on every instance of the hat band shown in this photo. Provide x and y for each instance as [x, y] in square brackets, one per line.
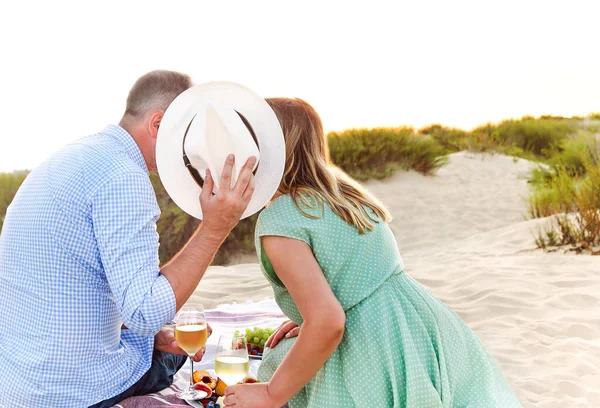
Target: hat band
[188, 165]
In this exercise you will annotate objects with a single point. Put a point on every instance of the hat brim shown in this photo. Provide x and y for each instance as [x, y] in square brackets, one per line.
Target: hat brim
[176, 178]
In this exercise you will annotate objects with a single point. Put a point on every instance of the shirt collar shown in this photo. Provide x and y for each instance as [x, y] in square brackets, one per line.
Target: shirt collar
[131, 147]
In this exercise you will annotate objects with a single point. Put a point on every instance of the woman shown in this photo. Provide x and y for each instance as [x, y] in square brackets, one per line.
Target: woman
[369, 334]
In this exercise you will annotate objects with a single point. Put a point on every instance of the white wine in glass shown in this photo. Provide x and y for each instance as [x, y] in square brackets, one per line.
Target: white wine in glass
[191, 333]
[231, 362]
[191, 337]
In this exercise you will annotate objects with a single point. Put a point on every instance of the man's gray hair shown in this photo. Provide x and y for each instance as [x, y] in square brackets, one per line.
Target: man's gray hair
[155, 91]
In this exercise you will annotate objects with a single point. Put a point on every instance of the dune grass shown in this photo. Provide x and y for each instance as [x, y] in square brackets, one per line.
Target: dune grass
[378, 152]
[543, 138]
[577, 227]
[529, 138]
[569, 189]
[451, 139]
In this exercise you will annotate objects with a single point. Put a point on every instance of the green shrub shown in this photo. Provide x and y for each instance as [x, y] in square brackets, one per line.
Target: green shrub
[9, 184]
[480, 139]
[451, 139]
[376, 153]
[577, 198]
[571, 159]
[541, 137]
[554, 195]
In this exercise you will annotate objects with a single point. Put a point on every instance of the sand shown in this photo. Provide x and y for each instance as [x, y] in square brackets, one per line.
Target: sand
[464, 235]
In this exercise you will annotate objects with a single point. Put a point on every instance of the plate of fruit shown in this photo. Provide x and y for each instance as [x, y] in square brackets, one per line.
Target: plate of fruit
[256, 339]
[213, 389]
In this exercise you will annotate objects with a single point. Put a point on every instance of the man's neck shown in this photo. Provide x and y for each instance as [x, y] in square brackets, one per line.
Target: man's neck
[136, 133]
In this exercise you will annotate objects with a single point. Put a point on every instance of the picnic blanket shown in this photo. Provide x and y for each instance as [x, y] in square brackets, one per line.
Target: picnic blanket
[225, 318]
[155, 400]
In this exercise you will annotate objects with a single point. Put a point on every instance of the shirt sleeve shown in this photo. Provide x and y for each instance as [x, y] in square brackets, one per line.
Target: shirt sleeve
[124, 214]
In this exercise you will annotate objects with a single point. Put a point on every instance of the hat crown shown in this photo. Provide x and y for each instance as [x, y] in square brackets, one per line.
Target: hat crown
[215, 132]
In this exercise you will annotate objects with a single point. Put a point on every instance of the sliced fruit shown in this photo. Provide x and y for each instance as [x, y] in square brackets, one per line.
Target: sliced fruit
[212, 382]
[249, 380]
[199, 374]
[220, 388]
[201, 387]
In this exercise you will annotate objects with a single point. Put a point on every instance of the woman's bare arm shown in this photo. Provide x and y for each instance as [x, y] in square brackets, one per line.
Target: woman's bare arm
[324, 318]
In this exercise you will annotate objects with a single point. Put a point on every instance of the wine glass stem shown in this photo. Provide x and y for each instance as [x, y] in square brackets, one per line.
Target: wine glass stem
[192, 373]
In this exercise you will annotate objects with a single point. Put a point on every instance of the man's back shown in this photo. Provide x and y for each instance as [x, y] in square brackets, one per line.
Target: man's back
[78, 234]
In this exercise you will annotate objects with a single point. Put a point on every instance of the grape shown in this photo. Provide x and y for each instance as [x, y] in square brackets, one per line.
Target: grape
[258, 336]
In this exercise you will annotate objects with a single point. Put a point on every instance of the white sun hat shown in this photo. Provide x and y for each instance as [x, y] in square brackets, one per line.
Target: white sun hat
[205, 124]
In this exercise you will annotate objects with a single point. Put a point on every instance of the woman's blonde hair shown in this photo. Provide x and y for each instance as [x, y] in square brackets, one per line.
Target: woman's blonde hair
[310, 177]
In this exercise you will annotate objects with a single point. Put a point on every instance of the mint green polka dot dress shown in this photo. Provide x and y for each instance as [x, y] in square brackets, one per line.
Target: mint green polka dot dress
[402, 347]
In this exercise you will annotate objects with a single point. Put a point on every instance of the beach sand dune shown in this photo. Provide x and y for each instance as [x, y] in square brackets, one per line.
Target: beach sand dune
[464, 235]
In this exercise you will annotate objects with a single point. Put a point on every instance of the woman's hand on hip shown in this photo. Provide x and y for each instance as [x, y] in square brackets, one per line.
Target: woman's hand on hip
[287, 329]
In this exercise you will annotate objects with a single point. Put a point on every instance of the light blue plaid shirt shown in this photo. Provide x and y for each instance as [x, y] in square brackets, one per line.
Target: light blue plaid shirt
[79, 257]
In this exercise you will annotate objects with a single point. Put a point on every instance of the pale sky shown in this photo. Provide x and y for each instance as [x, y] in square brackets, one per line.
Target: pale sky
[67, 66]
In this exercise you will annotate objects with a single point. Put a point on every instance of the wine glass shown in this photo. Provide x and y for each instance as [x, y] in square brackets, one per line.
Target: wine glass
[231, 362]
[191, 334]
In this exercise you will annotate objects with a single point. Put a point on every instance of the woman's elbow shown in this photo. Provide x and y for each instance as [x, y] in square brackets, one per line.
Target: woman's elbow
[333, 327]
[338, 326]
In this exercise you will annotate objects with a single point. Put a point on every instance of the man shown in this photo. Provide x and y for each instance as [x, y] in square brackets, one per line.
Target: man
[82, 297]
